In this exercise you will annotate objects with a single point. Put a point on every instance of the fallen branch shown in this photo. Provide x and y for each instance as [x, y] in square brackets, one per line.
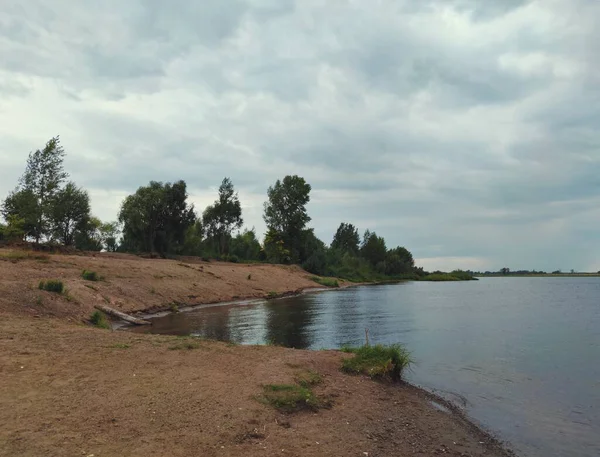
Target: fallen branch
[122, 316]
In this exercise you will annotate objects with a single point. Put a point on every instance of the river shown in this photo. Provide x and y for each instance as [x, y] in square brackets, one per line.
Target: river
[522, 355]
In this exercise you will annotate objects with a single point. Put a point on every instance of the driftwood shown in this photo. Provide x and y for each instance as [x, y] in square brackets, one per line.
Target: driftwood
[122, 316]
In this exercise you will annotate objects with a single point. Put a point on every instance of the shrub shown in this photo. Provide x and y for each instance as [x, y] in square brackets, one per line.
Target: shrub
[439, 277]
[378, 361]
[272, 294]
[327, 282]
[233, 259]
[98, 319]
[174, 307]
[89, 275]
[249, 277]
[52, 285]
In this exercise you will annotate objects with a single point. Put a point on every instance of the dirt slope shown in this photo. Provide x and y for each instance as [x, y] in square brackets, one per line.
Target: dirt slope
[132, 284]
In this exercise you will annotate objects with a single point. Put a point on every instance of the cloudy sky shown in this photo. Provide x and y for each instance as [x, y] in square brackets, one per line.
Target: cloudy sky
[467, 131]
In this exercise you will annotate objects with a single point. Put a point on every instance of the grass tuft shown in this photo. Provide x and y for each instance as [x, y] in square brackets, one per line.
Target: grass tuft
[98, 319]
[439, 277]
[89, 275]
[52, 285]
[378, 361]
[308, 378]
[15, 256]
[327, 282]
[290, 398]
[272, 294]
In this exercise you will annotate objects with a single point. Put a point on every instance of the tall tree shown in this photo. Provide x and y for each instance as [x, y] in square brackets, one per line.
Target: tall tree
[346, 239]
[373, 248]
[222, 217]
[156, 218]
[285, 211]
[398, 261]
[69, 212]
[43, 176]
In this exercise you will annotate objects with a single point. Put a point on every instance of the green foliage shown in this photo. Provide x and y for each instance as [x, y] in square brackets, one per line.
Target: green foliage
[373, 249]
[463, 275]
[174, 307]
[15, 256]
[285, 213]
[398, 261]
[109, 232]
[290, 398]
[88, 237]
[21, 211]
[52, 285]
[69, 212]
[222, 217]
[89, 275]
[272, 294]
[274, 248]
[378, 361]
[245, 246]
[193, 240]
[156, 218]
[42, 179]
[232, 258]
[346, 239]
[98, 319]
[439, 277]
[327, 282]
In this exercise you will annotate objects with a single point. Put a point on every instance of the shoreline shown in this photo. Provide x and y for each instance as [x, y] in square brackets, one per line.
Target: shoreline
[96, 389]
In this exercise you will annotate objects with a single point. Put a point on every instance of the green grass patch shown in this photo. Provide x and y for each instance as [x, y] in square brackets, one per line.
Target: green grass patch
[174, 307]
[90, 275]
[99, 319]
[378, 361]
[272, 294]
[290, 398]
[52, 285]
[327, 282]
[308, 378]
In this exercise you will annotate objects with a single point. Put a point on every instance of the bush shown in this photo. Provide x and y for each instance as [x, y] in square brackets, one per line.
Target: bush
[89, 275]
[378, 361]
[440, 277]
[98, 319]
[463, 275]
[52, 285]
[327, 282]
[233, 259]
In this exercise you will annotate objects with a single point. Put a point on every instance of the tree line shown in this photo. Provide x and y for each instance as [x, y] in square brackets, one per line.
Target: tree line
[158, 219]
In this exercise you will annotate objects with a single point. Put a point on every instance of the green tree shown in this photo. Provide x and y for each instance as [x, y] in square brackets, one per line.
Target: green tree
[194, 236]
[43, 177]
[156, 218]
[346, 239]
[285, 212]
[246, 246]
[88, 237]
[69, 211]
[399, 261]
[373, 248]
[222, 217]
[22, 205]
[314, 253]
[108, 234]
[275, 249]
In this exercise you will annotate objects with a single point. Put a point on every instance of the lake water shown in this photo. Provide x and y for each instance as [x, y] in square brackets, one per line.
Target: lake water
[522, 355]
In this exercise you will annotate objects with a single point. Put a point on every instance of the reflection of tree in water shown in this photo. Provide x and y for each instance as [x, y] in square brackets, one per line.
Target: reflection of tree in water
[288, 322]
[214, 324]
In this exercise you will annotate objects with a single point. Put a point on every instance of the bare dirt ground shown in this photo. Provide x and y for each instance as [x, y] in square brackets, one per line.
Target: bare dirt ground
[133, 284]
[67, 389]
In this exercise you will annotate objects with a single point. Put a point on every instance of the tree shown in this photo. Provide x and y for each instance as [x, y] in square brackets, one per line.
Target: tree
[69, 211]
[108, 234]
[346, 239]
[192, 244]
[43, 176]
[88, 237]
[285, 211]
[505, 270]
[313, 251]
[246, 246]
[222, 217]
[373, 248]
[156, 218]
[22, 205]
[399, 261]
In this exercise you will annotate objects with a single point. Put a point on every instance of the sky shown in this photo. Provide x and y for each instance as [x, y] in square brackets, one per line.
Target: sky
[467, 131]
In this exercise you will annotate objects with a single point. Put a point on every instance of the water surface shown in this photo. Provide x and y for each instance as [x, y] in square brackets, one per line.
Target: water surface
[521, 354]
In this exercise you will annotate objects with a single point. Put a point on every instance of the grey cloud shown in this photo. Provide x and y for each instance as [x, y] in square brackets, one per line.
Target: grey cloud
[473, 137]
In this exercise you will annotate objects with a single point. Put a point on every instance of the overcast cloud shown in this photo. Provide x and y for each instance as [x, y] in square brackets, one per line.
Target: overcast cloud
[468, 133]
